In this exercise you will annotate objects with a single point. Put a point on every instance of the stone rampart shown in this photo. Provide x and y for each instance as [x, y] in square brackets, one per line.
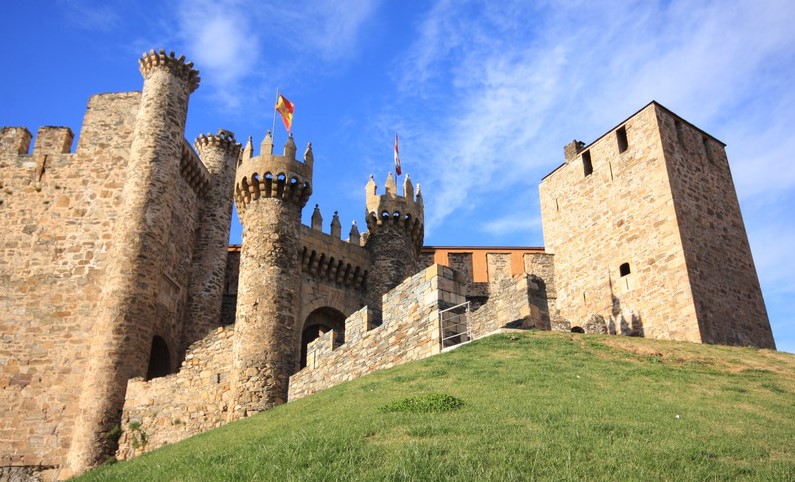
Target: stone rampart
[169, 409]
[58, 211]
[515, 301]
[410, 331]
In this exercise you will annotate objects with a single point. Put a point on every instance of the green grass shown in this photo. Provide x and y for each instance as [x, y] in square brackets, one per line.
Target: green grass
[536, 405]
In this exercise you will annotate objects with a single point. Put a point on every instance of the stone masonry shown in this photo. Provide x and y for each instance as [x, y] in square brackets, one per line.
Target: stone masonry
[128, 322]
[665, 253]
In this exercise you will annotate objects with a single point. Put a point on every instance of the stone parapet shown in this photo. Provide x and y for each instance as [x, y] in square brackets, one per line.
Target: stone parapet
[172, 408]
[273, 176]
[152, 60]
[328, 258]
[410, 332]
[516, 302]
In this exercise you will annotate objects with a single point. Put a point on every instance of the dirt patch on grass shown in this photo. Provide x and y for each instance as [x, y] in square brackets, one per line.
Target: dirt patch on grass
[723, 358]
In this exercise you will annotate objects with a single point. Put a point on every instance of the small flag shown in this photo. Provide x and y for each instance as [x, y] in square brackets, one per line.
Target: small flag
[397, 156]
[286, 109]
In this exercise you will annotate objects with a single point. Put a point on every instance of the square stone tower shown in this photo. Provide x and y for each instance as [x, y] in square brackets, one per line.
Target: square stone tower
[646, 231]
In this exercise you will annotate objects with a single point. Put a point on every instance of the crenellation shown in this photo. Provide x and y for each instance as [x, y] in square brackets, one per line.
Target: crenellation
[14, 141]
[53, 140]
[123, 245]
[336, 227]
[150, 61]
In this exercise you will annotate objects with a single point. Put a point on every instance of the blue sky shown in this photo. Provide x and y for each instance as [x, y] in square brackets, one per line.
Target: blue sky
[483, 94]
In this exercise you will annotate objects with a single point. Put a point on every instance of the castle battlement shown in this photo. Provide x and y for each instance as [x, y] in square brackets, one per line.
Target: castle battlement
[151, 60]
[329, 258]
[50, 141]
[123, 245]
[270, 175]
[192, 169]
[392, 209]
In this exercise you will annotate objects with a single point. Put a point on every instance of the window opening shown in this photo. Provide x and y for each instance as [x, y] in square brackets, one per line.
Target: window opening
[587, 166]
[621, 138]
[624, 269]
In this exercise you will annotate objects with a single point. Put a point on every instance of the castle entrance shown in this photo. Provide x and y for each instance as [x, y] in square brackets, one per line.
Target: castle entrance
[159, 359]
[320, 321]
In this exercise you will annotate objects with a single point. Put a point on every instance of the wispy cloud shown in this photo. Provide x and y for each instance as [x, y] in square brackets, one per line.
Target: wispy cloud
[513, 93]
[234, 40]
[513, 88]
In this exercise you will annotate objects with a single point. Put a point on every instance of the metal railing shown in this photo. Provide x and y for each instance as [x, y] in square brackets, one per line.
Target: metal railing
[455, 325]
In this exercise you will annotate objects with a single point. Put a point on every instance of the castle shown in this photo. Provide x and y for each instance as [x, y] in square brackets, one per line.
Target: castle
[129, 322]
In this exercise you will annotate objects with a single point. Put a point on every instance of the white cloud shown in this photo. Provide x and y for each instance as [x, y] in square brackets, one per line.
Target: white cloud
[518, 86]
[234, 40]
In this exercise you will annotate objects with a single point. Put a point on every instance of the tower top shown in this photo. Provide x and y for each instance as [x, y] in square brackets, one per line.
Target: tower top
[152, 60]
[273, 175]
[391, 208]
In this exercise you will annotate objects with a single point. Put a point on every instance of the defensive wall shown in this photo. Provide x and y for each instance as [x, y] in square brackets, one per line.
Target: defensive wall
[80, 228]
[115, 271]
[197, 398]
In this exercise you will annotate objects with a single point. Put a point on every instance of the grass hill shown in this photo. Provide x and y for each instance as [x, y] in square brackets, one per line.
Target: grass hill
[536, 405]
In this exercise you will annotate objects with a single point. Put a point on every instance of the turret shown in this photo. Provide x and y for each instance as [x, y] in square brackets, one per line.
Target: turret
[128, 309]
[336, 227]
[396, 229]
[270, 192]
[317, 219]
[219, 153]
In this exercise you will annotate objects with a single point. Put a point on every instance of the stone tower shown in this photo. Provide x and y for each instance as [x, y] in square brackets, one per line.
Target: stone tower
[646, 231]
[270, 192]
[128, 308]
[396, 229]
[219, 153]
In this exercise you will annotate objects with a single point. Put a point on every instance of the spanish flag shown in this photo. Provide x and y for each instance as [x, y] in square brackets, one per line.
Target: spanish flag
[286, 109]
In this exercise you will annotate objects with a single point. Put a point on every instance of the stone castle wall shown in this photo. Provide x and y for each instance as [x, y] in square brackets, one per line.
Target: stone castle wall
[515, 300]
[728, 297]
[169, 409]
[410, 331]
[58, 212]
[663, 253]
[621, 212]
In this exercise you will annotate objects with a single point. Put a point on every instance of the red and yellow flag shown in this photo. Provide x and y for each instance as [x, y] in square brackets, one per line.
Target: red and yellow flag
[285, 109]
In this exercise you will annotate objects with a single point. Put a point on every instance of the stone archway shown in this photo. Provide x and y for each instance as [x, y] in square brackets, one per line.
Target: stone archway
[320, 321]
[159, 359]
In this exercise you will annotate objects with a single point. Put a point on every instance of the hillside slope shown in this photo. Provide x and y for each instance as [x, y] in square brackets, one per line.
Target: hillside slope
[536, 405]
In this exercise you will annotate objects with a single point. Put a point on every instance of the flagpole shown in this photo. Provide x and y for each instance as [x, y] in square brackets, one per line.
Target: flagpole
[273, 128]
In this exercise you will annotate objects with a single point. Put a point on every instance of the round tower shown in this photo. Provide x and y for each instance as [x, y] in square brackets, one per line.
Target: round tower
[219, 153]
[122, 331]
[270, 192]
[396, 227]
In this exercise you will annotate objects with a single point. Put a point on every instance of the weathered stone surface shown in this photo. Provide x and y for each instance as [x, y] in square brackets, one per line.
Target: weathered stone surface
[595, 324]
[652, 238]
[114, 269]
[410, 331]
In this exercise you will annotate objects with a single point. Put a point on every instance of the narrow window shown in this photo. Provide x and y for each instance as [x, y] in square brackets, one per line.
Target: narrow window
[621, 138]
[624, 269]
[557, 206]
[587, 166]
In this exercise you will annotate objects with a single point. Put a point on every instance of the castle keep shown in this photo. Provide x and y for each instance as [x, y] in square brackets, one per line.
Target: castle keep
[129, 322]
